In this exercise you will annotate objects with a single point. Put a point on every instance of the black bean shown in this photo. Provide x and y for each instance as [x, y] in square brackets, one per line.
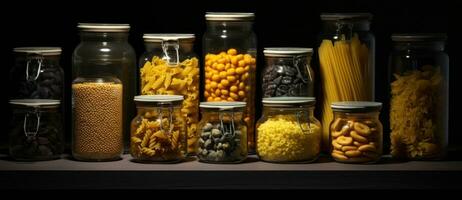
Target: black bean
[286, 80]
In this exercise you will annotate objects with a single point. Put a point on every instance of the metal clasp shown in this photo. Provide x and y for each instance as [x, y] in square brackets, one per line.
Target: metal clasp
[300, 114]
[172, 56]
[230, 128]
[31, 133]
[33, 78]
[170, 119]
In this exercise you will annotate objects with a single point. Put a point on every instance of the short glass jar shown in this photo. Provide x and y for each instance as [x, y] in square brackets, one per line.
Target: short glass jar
[158, 132]
[356, 132]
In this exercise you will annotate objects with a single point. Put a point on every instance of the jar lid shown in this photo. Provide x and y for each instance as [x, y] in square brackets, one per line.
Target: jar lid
[229, 16]
[159, 37]
[158, 98]
[223, 105]
[418, 37]
[345, 16]
[286, 51]
[45, 51]
[356, 106]
[288, 101]
[35, 102]
[97, 27]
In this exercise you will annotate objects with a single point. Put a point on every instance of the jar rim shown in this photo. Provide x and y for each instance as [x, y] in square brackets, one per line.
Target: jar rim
[229, 16]
[159, 98]
[103, 27]
[223, 105]
[288, 101]
[356, 106]
[159, 37]
[44, 51]
[418, 37]
[285, 51]
[35, 102]
[345, 16]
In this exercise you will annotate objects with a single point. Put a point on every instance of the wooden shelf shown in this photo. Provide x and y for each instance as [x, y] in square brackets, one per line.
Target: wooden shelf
[66, 173]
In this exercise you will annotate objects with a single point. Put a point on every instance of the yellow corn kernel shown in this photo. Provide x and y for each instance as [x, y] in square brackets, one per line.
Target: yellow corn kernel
[220, 86]
[220, 67]
[224, 92]
[233, 95]
[213, 84]
[223, 74]
[232, 52]
[240, 70]
[241, 63]
[233, 88]
[241, 93]
[224, 82]
[230, 71]
[231, 78]
[216, 77]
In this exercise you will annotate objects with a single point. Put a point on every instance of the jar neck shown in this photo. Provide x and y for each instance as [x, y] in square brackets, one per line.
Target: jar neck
[426, 46]
[345, 26]
[157, 46]
[104, 36]
[225, 26]
[226, 114]
[367, 115]
[33, 59]
[270, 111]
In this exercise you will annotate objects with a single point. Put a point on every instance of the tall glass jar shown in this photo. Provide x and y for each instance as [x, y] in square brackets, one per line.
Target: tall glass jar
[36, 74]
[104, 50]
[347, 62]
[158, 132]
[103, 88]
[230, 49]
[36, 130]
[356, 133]
[170, 67]
[287, 72]
[419, 70]
[288, 131]
[223, 133]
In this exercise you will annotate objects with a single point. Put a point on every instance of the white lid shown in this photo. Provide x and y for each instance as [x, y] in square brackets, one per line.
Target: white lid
[285, 101]
[158, 98]
[46, 51]
[97, 27]
[35, 102]
[223, 105]
[158, 37]
[356, 106]
[286, 51]
[229, 16]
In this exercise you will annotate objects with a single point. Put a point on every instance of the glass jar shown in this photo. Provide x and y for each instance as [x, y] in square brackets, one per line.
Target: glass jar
[104, 51]
[223, 132]
[347, 62]
[170, 67]
[36, 74]
[356, 133]
[104, 67]
[419, 72]
[36, 130]
[287, 72]
[158, 132]
[230, 49]
[288, 131]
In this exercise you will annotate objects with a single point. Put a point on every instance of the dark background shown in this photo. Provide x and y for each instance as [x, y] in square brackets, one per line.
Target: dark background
[277, 23]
